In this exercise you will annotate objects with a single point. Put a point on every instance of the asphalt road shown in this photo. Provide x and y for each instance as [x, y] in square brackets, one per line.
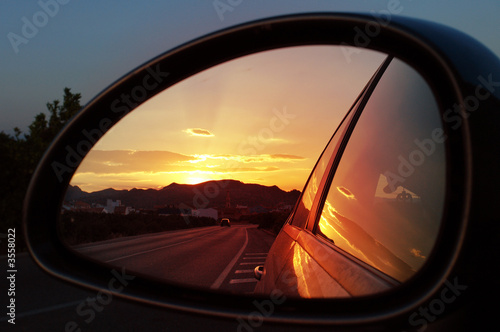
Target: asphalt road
[44, 303]
[210, 257]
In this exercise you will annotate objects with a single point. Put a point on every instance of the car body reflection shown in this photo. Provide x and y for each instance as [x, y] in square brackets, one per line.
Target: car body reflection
[371, 211]
[354, 239]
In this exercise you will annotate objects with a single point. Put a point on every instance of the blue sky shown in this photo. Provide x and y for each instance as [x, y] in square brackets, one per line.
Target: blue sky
[87, 45]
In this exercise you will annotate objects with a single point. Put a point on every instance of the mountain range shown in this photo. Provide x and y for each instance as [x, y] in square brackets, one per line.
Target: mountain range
[203, 195]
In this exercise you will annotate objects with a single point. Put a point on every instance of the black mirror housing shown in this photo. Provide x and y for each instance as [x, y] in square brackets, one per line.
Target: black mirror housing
[463, 74]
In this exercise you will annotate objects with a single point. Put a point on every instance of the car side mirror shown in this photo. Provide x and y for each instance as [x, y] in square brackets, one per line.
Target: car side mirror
[64, 223]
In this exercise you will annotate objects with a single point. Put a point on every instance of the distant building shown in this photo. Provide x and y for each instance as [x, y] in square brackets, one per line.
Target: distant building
[96, 210]
[79, 205]
[82, 207]
[149, 212]
[210, 213]
[242, 209]
[66, 207]
[232, 213]
[228, 200]
[258, 210]
[282, 207]
[169, 210]
[111, 205]
[123, 210]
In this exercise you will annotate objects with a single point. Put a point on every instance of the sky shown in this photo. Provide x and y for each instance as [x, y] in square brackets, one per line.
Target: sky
[86, 46]
[263, 118]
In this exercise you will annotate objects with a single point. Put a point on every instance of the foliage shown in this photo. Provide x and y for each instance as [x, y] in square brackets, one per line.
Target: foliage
[78, 227]
[20, 155]
[271, 221]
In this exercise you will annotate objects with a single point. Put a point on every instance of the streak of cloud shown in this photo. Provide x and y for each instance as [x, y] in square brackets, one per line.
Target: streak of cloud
[199, 132]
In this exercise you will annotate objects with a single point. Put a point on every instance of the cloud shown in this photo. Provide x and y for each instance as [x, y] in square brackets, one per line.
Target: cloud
[223, 170]
[417, 253]
[198, 132]
[259, 158]
[128, 169]
[274, 140]
[129, 161]
[133, 163]
[284, 157]
[253, 169]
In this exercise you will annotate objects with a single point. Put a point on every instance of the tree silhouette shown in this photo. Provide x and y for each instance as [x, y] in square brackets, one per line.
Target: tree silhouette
[20, 155]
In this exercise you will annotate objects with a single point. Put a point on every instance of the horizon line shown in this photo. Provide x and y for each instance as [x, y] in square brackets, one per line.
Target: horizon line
[183, 184]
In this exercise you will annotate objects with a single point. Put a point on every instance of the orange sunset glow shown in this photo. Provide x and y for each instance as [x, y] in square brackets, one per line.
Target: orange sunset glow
[262, 118]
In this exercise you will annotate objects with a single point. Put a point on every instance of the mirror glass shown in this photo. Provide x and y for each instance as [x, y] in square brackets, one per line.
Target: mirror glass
[193, 186]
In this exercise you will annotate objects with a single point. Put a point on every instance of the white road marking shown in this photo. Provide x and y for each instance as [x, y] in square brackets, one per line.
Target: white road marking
[243, 271]
[242, 281]
[253, 257]
[229, 266]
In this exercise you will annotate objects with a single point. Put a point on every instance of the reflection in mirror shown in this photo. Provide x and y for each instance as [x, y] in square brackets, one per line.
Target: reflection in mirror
[388, 190]
[193, 186]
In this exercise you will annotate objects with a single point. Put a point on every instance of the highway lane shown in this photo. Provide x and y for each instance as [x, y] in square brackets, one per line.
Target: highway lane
[209, 257]
[44, 303]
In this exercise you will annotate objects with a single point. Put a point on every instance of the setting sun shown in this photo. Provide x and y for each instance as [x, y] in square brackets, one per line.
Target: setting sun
[262, 118]
[196, 180]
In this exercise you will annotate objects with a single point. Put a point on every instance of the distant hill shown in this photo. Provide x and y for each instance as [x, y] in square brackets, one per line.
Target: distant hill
[203, 195]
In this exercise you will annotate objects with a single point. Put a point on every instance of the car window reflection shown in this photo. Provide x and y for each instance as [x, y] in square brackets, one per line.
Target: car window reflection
[385, 202]
[313, 184]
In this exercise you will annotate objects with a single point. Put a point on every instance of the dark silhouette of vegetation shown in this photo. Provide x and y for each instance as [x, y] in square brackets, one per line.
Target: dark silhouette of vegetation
[78, 227]
[20, 155]
[271, 221]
